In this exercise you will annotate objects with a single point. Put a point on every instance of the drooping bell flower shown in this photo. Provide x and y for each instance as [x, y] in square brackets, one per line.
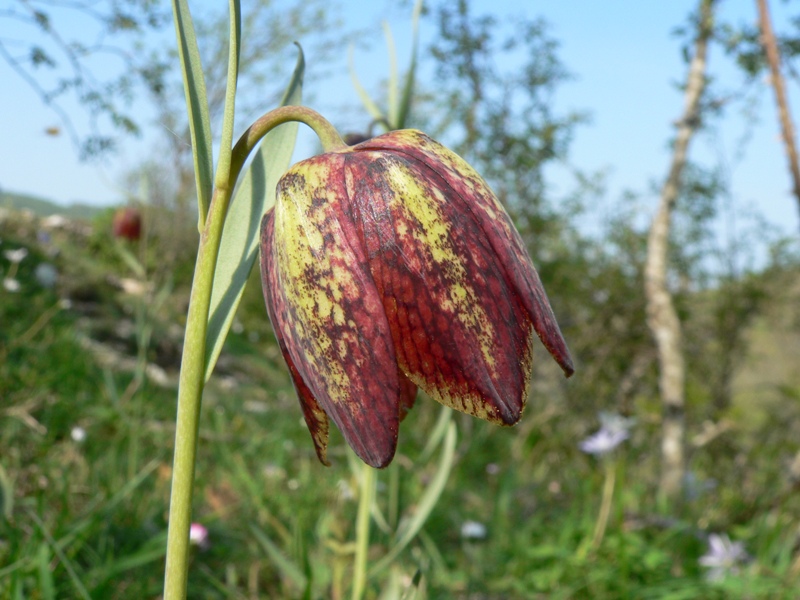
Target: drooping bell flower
[390, 266]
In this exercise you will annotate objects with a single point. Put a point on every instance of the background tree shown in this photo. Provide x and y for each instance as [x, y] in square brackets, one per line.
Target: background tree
[99, 64]
[772, 53]
[662, 317]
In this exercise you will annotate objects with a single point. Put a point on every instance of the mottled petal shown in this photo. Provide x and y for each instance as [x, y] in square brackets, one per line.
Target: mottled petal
[469, 192]
[315, 417]
[460, 331]
[408, 394]
[334, 327]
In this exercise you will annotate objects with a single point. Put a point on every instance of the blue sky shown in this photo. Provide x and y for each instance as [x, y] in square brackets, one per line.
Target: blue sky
[625, 64]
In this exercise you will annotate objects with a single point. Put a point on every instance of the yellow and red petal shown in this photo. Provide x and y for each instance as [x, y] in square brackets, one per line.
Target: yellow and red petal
[460, 331]
[328, 311]
[469, 193]
[315, 417]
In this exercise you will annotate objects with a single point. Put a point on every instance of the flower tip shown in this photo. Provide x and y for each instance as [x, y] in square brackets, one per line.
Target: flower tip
[557, 347]
[377, 453]
[566, 365]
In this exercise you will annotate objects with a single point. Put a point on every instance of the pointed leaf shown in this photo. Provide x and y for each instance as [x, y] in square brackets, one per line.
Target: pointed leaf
[286, 566]
[254, 196]
[394, 100]
[196, 104]
[368, 103]
[408, 88]
[226, 141]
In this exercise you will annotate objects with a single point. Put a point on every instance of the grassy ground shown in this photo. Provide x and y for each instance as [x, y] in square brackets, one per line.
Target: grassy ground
[87, 401]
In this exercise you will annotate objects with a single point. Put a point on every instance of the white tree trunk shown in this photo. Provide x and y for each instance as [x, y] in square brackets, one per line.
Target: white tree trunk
[661, 315]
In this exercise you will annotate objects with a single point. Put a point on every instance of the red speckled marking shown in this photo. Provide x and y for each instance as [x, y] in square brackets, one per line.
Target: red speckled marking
[469, 193]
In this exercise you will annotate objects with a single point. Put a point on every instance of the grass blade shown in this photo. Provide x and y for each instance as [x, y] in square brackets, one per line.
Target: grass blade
[150, 552]
[426, 503]
[194, 87]
[284, 565]
[73, 575]
[6, 495]
[239, 243]
[46, 587]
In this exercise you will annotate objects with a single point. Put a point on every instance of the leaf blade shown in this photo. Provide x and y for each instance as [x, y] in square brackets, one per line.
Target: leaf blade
[197, 106]
[408, 88]
[239, 243]
[366, 100]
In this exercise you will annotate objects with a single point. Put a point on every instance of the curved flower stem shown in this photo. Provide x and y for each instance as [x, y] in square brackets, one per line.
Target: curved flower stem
[191, 383]
[365, 499]
[328, 136]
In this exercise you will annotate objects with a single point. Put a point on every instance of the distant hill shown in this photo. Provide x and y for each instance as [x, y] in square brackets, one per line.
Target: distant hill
[44, 208]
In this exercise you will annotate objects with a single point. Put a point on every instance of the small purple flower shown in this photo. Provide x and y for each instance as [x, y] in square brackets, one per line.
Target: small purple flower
[603, 442]
[723, 557]
[198, 536]
[614, 429]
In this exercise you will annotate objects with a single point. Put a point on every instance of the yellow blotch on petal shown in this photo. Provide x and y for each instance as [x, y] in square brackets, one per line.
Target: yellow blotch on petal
[424, 205]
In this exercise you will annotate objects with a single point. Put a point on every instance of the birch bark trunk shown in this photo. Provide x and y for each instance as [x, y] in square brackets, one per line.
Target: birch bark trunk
[773, 58]
[662, 318]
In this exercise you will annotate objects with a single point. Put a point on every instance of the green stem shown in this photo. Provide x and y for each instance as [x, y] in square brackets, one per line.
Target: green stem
[190, 392]
[605, 506]
[328, 136]
[192, 378]
[394, 495]
[365, 500]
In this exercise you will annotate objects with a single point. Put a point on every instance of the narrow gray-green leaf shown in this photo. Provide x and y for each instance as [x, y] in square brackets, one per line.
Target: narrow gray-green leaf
[368, 103]
[226, 142]
[288, 568]
[194, 87]
[408, 88]
[239, 245]
[394, 100]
